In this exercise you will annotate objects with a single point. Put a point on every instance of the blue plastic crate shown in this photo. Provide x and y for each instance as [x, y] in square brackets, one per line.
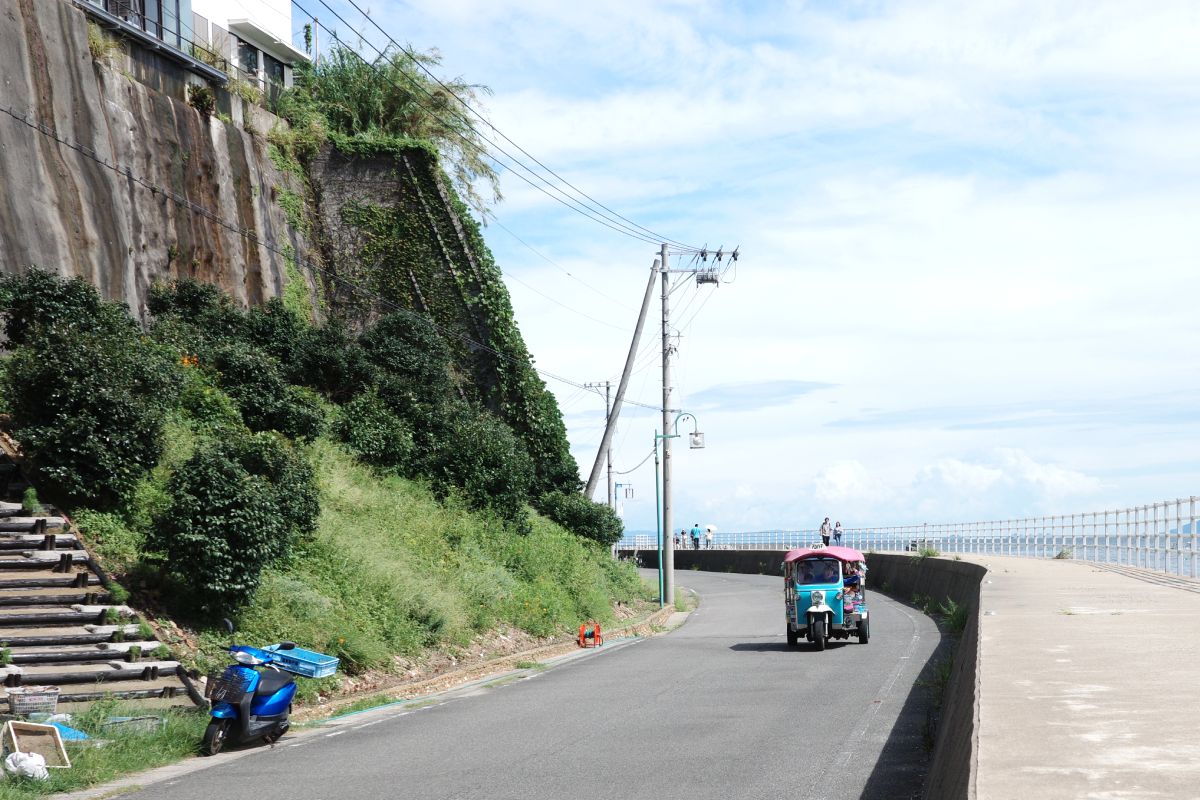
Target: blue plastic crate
[304, 662]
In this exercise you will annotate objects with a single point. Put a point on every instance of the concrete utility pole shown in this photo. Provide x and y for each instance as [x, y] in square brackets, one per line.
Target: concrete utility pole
[668, 541]
[608, 453]
[607, 423]
[610, 427]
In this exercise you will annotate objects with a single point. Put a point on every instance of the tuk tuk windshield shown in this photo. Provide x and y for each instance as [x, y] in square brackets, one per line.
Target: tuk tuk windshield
[818, 571]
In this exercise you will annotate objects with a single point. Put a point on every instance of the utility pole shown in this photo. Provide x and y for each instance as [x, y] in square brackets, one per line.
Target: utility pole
[668, 541]
[608, 422]
[608, 453]
[606, 443]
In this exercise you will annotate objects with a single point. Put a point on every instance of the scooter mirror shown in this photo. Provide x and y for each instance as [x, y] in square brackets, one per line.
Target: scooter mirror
[227, 624]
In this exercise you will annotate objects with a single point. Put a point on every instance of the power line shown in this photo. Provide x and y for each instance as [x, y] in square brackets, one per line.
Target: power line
[558, 195]
[182, 201]
[595, 203]
[555, 264]
[631, 469]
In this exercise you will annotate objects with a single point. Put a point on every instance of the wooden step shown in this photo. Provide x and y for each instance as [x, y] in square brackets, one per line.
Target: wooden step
[78, 579]
[47, 541]
[27, 524]
[26, 600]
[45, 639]
[35, 560]
[92, 656]
[56, 676]
[13, 618]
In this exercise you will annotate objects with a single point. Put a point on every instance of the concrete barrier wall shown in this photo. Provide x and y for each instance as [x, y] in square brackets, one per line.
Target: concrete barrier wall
[955, 753]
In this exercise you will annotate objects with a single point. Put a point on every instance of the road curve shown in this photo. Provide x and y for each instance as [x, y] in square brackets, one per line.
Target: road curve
[720, 708]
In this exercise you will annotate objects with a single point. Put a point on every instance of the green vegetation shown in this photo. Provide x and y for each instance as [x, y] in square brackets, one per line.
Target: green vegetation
[537, 666]
[202, 99]
[322, 487]
[391, 571]
[393, 98]
[29, 502]
[927, 551]
[125, 750]
[1065, 553]
[955, 616]
[102, 45]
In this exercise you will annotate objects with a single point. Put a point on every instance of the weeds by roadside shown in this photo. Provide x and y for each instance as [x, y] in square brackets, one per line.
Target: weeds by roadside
[125, 750]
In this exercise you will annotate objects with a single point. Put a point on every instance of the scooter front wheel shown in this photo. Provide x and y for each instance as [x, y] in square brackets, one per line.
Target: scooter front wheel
[214, 737]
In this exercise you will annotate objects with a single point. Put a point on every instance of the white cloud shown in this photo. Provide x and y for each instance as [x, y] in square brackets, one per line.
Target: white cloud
[940, 206]
[843, 482]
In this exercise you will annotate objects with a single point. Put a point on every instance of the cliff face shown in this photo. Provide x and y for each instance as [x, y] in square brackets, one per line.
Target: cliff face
[88, 213]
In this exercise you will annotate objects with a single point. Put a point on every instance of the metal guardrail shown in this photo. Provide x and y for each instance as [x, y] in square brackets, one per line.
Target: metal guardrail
[1159, 536]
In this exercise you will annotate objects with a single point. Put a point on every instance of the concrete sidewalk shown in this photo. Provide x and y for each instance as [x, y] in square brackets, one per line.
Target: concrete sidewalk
[1088, 682]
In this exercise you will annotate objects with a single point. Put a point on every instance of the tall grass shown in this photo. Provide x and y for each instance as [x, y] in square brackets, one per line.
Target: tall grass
[391, 572]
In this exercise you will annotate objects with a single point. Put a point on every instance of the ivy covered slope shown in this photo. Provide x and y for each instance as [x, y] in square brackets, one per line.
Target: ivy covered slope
[328, 486]
[386, 154]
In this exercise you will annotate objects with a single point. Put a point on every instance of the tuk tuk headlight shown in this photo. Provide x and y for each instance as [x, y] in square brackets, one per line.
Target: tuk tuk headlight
[818, 598]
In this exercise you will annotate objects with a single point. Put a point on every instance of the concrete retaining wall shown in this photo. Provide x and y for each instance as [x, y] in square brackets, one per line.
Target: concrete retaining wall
[955, 753]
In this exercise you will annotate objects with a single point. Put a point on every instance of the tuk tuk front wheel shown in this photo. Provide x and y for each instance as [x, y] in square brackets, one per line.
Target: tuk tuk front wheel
[864, 631]
[818, 633]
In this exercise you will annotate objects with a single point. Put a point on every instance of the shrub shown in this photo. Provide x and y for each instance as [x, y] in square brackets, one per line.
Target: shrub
[582, 516]
[38, 304]
[479, 455]
[202, 99]
[374, 434]
[329, 360]
[267, 402]
[88, 410]
[412, 356]
[237, 506]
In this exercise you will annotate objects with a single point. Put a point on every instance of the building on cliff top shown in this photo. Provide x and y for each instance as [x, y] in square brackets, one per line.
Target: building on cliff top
[246, 40]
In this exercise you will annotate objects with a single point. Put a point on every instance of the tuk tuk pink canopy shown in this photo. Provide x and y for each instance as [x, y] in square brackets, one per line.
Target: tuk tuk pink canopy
[845, 554]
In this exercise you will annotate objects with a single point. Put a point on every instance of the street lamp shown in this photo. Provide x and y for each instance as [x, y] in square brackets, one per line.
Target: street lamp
[666, 544]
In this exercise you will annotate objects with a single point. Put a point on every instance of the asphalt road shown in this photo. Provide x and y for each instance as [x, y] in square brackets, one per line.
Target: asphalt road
[720, 708]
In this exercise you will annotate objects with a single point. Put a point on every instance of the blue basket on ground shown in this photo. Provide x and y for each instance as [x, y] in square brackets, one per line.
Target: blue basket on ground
[302, 662]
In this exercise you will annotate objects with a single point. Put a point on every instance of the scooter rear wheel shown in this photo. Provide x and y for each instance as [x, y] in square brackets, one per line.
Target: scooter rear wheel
[214, 737]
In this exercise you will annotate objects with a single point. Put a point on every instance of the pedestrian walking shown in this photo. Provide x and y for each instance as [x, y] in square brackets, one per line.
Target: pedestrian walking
[696, 536]
[825, 531]
[837, 533]
[708, 536]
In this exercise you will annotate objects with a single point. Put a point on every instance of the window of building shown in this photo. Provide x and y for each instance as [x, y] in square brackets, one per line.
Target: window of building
[247, 59]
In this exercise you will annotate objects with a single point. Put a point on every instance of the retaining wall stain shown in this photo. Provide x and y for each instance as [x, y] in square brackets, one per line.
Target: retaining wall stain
[70, 214]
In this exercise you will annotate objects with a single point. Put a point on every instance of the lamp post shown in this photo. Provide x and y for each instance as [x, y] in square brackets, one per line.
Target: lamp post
[666, 543]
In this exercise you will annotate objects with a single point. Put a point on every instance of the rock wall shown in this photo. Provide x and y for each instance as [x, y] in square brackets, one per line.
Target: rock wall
[88, 213]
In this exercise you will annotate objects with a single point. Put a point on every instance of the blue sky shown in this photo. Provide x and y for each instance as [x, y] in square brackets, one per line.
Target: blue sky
[968, 285]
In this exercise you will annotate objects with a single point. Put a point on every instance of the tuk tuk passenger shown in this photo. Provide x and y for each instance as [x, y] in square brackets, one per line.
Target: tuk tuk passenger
[852, 579]
[831, 572]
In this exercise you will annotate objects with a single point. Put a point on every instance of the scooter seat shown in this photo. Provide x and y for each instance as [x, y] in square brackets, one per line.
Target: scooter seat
[270, 682]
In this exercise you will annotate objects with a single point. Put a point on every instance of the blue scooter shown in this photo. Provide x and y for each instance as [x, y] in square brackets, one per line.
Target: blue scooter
[250, 699]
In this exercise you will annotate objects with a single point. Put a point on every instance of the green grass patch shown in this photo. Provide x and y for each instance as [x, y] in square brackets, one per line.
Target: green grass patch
[390, 572]
[124, 751]
[534, 665]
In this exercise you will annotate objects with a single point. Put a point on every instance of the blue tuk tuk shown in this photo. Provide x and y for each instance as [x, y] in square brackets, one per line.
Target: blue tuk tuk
[824, 594]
